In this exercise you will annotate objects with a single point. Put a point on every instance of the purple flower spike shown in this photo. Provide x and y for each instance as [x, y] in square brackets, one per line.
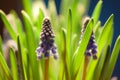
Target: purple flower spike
[91, 49]
[47, 41]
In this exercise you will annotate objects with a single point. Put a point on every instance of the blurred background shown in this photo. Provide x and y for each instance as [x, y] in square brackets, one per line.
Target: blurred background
[109, 7]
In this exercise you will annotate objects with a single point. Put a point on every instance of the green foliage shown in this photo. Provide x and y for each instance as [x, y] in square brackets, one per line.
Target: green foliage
[6, 70]
[104, 36]
[67, 28]
[79, 54]
[13, 62]
[8, 25]
[113, 58]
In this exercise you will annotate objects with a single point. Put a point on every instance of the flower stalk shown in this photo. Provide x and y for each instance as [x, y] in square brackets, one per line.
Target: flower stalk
[46, 46]
[86, 61]
[46, 69]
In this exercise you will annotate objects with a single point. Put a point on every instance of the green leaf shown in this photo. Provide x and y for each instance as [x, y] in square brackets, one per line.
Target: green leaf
[27, 5]
[74, 43]
[1, 48]
[31, 45]
[13, 65]
[74, 5]
[79, 54]
[97, 30]
[101, 62]
[39, 20]
[5, 68]
[101, 42]
[2, 76]
[96, 12]
[8, 25]
[105, 66]
[113, 59]
[63, 56]
[68, 43]
[20, 58]
[17, 22]
[38, 23]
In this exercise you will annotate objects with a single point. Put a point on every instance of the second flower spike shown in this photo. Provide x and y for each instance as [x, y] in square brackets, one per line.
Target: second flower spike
[91, 49]
[47, 46]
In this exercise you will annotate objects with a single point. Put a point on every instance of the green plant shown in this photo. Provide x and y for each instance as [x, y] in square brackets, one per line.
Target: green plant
[67, 29]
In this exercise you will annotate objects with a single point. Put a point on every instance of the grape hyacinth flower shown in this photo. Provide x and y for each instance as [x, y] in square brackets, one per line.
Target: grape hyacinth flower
[47, 46]
[91, 49]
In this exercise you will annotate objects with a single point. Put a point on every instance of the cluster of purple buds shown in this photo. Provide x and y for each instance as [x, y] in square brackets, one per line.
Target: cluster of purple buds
[91, 49]
[47, 46]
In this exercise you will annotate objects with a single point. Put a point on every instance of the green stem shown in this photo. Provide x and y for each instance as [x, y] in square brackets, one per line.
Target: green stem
[85, 68]
[46, 70]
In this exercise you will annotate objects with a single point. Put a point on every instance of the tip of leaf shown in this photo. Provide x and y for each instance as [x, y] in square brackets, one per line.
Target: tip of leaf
[1, 12]
[26, 16]
[69, 10]
[92, 20]
[22, 11]
[100, 1]
[112, 16]
[70, 13]
[119, 37]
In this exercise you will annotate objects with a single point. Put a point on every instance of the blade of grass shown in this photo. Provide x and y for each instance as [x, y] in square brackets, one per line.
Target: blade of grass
[18, 23]
[79, 75]
[97, 11]
[97, 25]
[31, 45]
[20, 58]
[113, 58]
[100, 64]
[74, 42]
[96, 30]
[68, 44]
[13, 65]
[79, 54]
[101, 42]
[103, 56]
[1, 49]
[63, 56]
[8, 25]
[1, 74]
[65, 5]
[38, 24]
[5, 68]
[39, 20]
[105, 66]
[74, 5]
[27, 5]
